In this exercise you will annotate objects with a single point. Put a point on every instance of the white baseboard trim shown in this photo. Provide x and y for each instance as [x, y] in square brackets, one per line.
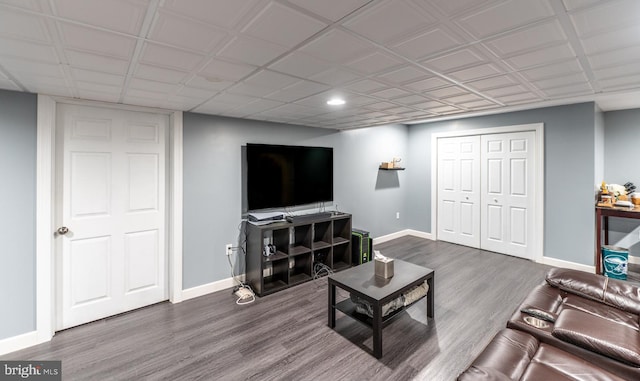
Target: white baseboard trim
[634, 260]
[402, 233]
[568, 265]
[15, 343]
[209, 288]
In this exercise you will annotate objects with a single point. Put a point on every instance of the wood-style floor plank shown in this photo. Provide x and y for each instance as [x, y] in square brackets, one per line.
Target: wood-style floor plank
[285, 336]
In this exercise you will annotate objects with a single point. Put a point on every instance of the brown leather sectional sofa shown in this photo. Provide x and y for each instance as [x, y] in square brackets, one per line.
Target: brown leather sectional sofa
[575, 326]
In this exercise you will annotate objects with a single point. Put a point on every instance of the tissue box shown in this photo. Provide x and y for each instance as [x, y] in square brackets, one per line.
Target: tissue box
[384, 268]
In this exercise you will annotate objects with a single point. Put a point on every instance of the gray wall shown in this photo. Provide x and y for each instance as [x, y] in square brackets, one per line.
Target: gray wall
[213, 204]
[18, 206]
[622, 139]
[569, 174]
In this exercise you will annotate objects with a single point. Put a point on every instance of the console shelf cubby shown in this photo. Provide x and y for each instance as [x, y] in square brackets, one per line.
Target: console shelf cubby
[298, 246]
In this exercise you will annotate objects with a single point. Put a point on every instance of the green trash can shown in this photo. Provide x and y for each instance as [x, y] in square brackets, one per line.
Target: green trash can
[614, 261]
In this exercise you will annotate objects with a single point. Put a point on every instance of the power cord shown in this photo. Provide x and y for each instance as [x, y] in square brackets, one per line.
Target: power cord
[243, 291]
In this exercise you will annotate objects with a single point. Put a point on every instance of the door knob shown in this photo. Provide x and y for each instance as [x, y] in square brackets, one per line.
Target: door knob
[62, 230]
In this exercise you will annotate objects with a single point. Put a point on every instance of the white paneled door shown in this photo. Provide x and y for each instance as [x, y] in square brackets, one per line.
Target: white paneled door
[110, 193]
[485, 192]
[459, 190]
[507, 186]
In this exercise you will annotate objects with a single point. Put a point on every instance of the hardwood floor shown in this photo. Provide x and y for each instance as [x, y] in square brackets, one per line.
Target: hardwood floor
[285, 336]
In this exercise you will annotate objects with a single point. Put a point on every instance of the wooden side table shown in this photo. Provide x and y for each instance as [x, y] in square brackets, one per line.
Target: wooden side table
[602, 225]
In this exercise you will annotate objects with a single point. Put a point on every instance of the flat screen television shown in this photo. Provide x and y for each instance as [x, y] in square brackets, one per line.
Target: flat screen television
[281, 176]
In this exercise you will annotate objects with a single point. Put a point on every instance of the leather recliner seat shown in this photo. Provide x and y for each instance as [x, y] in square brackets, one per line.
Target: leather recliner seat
[589, 317]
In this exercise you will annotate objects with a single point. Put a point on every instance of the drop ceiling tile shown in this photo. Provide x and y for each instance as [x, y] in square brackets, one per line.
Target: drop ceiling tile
[389, 21]
[365, 86]
[212, 84]
[492, 83]
[183, 103]
[301, 65]
[381, 106]
[271, 80]
[37, 82]
[6, 84]
[411, 100]
[455, 60]
[414, 114]
[297, 110]
[15, 65]
[224, 70]
[111, 90]
[146, 85]
[554, 70]
[630, 69]
[19, 25]
[464, 98]
[34, 5]
[118, 15]
[571, 5]
[244, 88]
[222, 13]
[212, 107]
[259, 105]
[404, 75]
[184, 33]
[444, 110]
[332, 10]
[569, 91]
[337, 46]
[453, 7]
[195, 93]
[605, 41]
[297, 91]
[97, 77]
[374, 63]
[162, 56]
[334, 77]
[159, 74]
[478, 105]
[27, 50]
[428, 84]
[390, 93]
[505, 16]
[475, 72]
[98, 96]
[542, 57]
[141, 100]
[252, 51]
[427, 44]
[565, 80]
[606, 16]
[446, 92]
[503, 91]
[233, 99]
[146, 95]
[429, 104]
[399, 110]
[518, 98]
[615, 57]
[97, 62]
[523, 40]
[283, 25]
[96, 41]
[620, 83]
[360, 100]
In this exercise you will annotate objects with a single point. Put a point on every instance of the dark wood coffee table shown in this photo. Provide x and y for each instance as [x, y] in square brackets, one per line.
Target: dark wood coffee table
[362, 282]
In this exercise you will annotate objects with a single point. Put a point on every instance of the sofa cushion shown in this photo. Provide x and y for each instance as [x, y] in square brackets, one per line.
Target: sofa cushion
[599, 335]
[613, 292]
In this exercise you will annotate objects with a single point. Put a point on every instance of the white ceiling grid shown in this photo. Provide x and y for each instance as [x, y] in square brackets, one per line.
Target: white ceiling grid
[281, 60]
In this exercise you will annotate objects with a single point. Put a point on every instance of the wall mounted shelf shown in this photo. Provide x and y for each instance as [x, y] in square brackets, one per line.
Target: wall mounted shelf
[391, 169]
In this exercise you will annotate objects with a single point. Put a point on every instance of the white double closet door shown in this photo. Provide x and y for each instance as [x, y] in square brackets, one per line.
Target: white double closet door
[110, 196]
[485, 192]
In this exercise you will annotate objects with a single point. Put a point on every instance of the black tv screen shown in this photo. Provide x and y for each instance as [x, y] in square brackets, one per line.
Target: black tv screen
[280, 176]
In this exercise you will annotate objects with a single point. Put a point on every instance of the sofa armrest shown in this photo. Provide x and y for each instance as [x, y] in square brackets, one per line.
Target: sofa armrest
[613, 292]
[599, 335]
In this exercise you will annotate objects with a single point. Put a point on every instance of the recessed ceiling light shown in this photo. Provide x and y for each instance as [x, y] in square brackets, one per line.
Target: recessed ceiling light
[336, 102]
